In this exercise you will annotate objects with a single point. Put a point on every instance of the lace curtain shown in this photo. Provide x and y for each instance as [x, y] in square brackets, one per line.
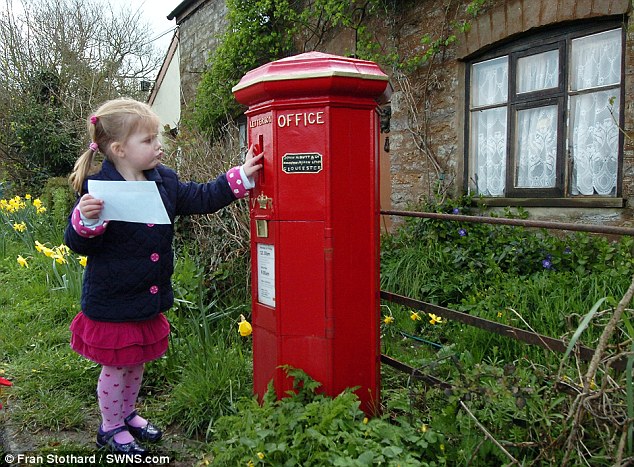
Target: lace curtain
[488, 127]
[594, 142]
[536, 133]
[593, 133]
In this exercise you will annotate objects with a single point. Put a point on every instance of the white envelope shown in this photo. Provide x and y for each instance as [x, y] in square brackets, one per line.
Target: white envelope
[129, 201]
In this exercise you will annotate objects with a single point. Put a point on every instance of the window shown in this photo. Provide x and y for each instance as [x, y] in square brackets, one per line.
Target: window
[544, 117]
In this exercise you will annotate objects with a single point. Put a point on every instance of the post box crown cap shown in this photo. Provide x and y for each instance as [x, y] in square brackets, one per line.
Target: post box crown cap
[312, 65]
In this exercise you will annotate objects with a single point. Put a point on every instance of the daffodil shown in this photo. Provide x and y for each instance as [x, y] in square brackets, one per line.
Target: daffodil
[250, 464]
[83, 260]
[37, 203]
[19, 227]
[244, 327]
[40, 210]
[434, 319]
[260, 455]
[59, 258]
[22, 262]
[48, 252]
[62, 250]
[28, 196]
[388, 319]
[415, 316]
[39, 247]
[424, 428]
[366, 420]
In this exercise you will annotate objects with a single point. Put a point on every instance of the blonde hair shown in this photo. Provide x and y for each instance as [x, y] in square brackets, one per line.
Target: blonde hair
[115, 121]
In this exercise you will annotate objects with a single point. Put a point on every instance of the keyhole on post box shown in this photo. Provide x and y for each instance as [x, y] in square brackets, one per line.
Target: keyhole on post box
[260, 149]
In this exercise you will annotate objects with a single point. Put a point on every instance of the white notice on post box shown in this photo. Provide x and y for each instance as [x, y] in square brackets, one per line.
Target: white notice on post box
[266, 274]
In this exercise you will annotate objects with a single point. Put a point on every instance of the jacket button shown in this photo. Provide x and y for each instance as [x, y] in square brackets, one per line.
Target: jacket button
[154, 290]
[154, 257]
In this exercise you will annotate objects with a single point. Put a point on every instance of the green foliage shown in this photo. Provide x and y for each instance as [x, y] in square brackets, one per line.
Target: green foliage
[560, 285]
[44, 141]
[255, 35]
[207, 364]
[203, 384]
[444, 261]
[309, 429]
[261, 31]
[58, 194]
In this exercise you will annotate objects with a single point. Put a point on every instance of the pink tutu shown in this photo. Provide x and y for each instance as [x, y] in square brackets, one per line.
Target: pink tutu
[124, 344]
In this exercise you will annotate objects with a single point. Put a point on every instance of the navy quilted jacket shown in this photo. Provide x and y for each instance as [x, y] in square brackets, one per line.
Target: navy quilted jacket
[129, 270]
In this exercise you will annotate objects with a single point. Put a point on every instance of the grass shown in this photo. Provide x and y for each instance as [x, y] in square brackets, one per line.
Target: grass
[202, 387]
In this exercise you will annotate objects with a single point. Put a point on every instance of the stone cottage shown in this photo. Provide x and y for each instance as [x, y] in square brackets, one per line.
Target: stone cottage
[530, 105]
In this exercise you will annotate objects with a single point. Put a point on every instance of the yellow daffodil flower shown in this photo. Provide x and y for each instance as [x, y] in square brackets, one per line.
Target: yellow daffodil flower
[244, 327]
[366, 420]
[40, 210]
[27, 196]
[434, 319]
[22, 262]
[37, 203]
[260, 455]
[388, 319]
[415, 316]
[62, 250]
[59, 259]
[499, 314]
[83, 260]
[48, 252]
[19, 227]
[250, 464]
[39, 247]
[424, 428]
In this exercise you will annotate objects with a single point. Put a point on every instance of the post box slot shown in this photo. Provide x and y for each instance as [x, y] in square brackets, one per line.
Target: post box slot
[260, 149]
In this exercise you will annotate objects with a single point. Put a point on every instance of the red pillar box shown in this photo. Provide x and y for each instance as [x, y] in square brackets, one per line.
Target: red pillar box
[314, 222]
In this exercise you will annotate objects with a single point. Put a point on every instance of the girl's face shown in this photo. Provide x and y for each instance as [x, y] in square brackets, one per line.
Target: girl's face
[142, 151]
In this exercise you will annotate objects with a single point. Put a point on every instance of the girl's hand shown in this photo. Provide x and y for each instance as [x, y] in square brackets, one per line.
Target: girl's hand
[90, 207]
[251, 166]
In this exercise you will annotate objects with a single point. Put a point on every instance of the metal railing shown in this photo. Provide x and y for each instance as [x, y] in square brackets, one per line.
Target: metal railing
[533, 338]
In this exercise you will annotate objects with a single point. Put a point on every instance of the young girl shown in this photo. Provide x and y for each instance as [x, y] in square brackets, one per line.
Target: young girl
[127, 280]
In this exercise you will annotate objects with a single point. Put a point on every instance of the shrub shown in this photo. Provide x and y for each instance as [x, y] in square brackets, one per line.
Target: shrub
[310, 429]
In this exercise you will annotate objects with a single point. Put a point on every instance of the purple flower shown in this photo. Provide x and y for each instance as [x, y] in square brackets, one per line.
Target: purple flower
[547, 264]
[567, 251]
[456, 210]
[462, 232]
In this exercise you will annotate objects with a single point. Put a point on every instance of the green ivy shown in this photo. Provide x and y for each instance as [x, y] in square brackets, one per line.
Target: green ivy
[255, 35]
[261, 31]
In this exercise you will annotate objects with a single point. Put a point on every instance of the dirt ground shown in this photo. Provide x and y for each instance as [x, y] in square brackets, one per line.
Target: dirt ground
[20, 447]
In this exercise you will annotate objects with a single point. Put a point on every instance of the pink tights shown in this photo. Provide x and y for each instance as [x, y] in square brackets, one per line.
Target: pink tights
[117, 391]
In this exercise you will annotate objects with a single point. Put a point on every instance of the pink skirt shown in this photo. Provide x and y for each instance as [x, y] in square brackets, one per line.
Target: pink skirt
[123, 344]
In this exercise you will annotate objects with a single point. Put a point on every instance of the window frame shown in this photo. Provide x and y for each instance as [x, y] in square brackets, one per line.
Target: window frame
[558, 37]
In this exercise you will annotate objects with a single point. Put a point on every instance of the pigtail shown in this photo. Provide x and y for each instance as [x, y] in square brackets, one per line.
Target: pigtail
[85, 164]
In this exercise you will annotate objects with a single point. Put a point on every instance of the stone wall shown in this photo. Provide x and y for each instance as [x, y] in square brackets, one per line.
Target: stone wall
[200, 32]
[419, 165]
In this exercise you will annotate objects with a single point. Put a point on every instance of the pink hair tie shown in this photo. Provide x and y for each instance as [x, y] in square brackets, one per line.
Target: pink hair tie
[93, 147]
[93, 119]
